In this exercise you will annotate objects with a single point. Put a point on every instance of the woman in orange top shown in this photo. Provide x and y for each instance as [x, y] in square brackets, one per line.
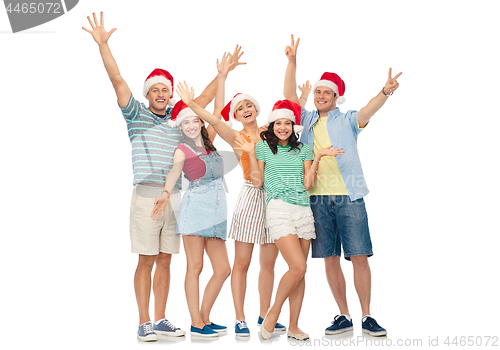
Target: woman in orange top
[248, 223]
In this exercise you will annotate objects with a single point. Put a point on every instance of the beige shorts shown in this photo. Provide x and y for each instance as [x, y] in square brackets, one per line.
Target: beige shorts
[148, 236]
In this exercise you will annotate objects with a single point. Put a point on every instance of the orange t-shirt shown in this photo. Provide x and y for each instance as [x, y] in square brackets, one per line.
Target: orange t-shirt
[245, 161]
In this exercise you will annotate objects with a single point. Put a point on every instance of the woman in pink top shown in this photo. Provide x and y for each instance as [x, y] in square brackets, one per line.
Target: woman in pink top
[248, 223]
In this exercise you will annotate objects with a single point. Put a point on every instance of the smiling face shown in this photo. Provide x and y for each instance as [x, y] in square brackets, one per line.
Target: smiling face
[158, 96]
[325, 100]
[283, 128]
[191, 127]
[245, 112]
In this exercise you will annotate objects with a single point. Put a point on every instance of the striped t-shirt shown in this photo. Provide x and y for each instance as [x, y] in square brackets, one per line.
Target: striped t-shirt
[284, 172]
[153, 143]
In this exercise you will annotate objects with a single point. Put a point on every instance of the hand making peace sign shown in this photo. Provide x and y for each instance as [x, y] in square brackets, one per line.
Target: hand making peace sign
[291, 51]
[392, 84]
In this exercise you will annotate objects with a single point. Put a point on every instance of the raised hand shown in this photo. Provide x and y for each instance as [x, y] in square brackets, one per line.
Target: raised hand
[291, 51]
[235, 58]
[392, 84]
[185, 93]
[305, 89]
[225, 64]
[241, 144]
[98, 32]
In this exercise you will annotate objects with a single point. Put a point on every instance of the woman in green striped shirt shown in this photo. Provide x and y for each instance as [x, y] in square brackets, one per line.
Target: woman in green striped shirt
[287, 169]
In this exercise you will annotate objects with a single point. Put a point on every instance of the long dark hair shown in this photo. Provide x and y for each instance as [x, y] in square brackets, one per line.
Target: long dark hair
[204, 135]
[272, 140]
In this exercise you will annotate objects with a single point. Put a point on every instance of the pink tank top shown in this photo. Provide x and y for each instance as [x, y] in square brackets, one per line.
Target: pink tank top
[194, 167]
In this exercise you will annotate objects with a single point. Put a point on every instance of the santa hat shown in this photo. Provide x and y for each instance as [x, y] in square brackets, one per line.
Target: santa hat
[230, 109]
[160, 76]
[289, 110]
[179, 113]
[332, 81]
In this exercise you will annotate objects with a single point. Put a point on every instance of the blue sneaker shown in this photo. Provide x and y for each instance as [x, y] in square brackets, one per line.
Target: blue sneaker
[277, 328]
[241, 329]
[340, 324]
[371, 327]
[217, 328]
[206, 331]
[164, 327]
[145, 332]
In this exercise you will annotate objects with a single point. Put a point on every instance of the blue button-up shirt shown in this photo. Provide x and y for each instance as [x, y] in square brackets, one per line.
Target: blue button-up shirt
[343, 131]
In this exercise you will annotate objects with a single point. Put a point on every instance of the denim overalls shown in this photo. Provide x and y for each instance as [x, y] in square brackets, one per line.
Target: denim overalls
[203, 210]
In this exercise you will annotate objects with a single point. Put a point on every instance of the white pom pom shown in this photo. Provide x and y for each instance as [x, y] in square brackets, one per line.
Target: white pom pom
[341, 100]
[298, 128]
[229, 123]
[171, 123]
[172, 102]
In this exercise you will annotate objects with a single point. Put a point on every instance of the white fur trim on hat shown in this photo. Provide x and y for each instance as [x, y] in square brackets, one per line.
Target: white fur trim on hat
[159, 80]
[331, 85]
[281, 113]
[243, 97]
[186, 112]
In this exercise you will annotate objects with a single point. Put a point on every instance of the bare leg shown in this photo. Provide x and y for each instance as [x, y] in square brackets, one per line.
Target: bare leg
[362, 281]
[194, 248]
[268, 254]
[142, 285]
[291, 250]
[297, 296]
[216, 251]
[242, 257]
[161, 284]
[336, 281]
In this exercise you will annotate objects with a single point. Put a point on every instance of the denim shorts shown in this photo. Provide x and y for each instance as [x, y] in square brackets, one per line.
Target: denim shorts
[340, 222]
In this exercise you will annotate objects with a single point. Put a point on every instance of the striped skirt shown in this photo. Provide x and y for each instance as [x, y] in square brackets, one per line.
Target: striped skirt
[248, 223]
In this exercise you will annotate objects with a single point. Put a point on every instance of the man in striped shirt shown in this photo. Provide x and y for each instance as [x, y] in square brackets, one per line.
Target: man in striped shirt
[153, 142]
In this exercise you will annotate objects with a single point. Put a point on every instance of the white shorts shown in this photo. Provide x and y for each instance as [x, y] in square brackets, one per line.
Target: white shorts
[284, 218]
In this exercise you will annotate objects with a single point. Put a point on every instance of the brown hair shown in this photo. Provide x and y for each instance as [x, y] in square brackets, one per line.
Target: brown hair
[204, 136]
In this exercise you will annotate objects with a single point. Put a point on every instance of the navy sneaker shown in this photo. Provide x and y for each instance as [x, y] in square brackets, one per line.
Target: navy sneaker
[145, 332]
[371, 327]
[164, 327]
[277, 328]
[217, 328]
[340, 324]
[241, 329]
[206, 331]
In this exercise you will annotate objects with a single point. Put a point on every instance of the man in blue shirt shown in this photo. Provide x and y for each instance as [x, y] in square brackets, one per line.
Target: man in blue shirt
[336, 199]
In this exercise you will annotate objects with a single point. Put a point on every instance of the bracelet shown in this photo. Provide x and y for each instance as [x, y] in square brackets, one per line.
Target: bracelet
[165, 191]
[385, 93]
[303, 98]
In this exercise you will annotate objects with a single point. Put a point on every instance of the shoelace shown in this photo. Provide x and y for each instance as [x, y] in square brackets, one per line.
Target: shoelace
[167, 322]
[372, 323]
[242, 325]
[148, 328]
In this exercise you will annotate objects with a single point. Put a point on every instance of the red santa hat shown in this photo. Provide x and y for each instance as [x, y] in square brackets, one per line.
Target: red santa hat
[230, 109]
[289, 110]
[160, 76]
[179, 113]
[332, 81]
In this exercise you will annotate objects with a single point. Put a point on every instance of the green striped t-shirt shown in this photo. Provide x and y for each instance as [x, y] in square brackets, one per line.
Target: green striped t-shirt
[284, 172]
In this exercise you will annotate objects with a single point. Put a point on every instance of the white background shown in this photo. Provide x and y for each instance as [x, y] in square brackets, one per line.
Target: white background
[429, 158]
